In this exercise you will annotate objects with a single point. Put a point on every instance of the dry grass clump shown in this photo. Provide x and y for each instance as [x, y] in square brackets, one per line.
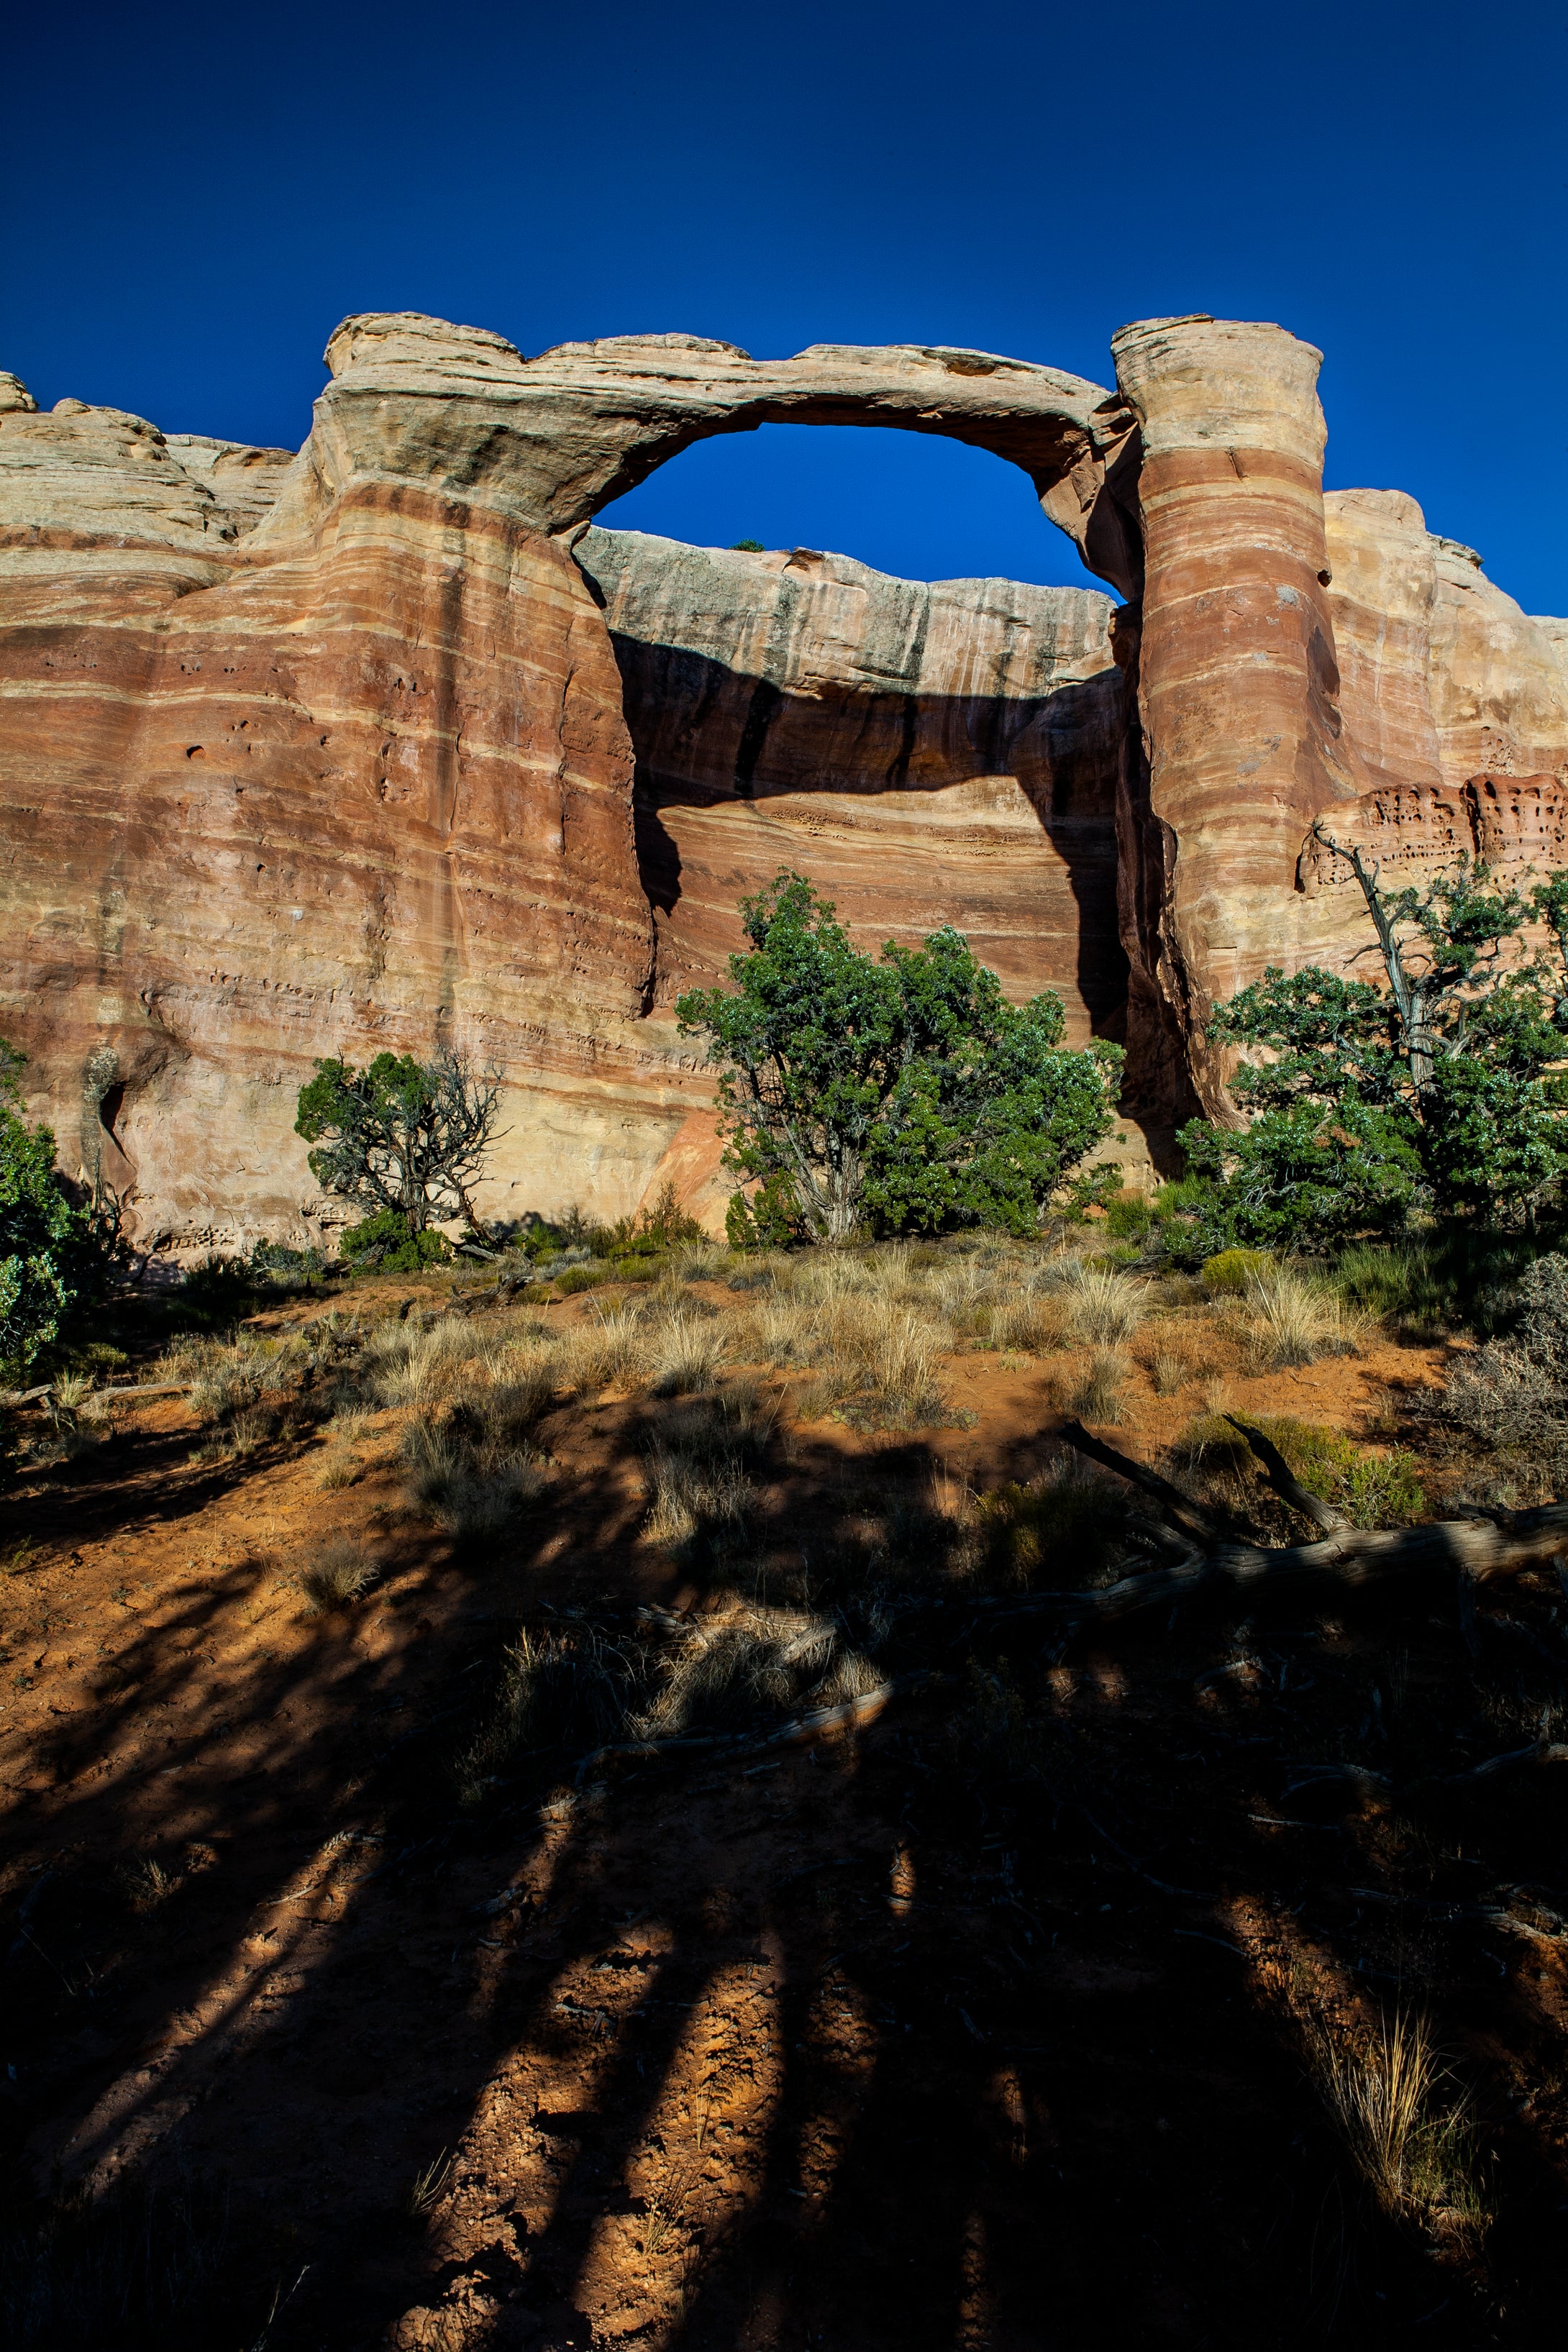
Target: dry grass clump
[468, 1478]
[339, 1575]
[881, 1358]
[1105, 1306]
[747, 1660]
[1030, 1318]
[566, 1688]
[232, 1377]
[1097, 1393]
[604, 1350]
[420, 1367]
[1067, 1528]
[1169, 1372]
[1289, 1318]
[339, 1465]
[688, 1496]
[1413, 2143]
[683, 1352]
[699, 1466]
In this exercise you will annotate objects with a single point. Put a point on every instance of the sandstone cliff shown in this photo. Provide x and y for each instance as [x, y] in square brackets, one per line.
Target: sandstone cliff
[379, 744]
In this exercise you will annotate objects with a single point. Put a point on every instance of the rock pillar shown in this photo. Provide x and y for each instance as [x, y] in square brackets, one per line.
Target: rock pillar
[1238, 741]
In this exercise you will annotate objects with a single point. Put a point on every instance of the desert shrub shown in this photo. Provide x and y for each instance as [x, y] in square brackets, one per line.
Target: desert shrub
[767, 1218]
[1128, 1216]
[659, 1226]
[1374, 1490]
[384, 1244]
[1063, 1529]
[57, 1255]
[578, 1278]
[339, 1574]
[1228, 1272]
[1513, 1392]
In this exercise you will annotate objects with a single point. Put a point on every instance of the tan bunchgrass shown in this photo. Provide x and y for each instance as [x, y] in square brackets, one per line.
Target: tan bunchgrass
[1168, 1372]
[1288, 1320]
[746, 1658]
[1413, 2141]
[689, 1495]
[339, 1575]
[469, 1488]
[1097, 1393]
[1105, 1306]
[684, 1352]
[604, 1350]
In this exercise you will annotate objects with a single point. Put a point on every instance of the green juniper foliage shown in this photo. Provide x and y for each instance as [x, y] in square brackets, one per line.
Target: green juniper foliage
[1438, 1089]
[406, 1139]
[900, 1092]
[54, 1256]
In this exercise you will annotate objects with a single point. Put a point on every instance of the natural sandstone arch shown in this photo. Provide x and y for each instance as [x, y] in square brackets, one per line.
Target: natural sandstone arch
[551, 440]
[329, 754]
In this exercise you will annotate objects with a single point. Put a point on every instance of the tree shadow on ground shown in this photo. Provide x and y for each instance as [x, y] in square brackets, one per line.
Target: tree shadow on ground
[982, 2029]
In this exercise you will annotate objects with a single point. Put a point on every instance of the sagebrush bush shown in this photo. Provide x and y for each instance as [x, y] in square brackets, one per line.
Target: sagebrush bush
[1513, 1393]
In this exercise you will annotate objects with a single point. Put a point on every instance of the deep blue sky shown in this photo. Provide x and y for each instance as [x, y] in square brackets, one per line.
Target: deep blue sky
[192, 198]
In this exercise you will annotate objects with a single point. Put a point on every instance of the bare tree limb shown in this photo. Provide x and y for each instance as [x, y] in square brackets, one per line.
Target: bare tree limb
[1285, 1483]
[1180, 1510]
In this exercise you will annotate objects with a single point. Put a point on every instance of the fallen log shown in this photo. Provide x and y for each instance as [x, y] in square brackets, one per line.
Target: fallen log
[1474, 1549]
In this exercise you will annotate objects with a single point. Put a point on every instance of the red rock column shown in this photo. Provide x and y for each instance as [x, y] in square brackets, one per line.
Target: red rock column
[1236, 678]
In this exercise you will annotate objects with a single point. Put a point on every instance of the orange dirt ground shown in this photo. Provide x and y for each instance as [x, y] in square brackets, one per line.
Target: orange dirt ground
[862, 2044]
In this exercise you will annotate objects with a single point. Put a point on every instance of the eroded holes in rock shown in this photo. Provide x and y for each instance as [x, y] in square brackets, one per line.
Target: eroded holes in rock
[111, 1104]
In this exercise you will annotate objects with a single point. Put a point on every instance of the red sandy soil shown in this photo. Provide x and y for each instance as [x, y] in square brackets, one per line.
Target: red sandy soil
[859, 2045]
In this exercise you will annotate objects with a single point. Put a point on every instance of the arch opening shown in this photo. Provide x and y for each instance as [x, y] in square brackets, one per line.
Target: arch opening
[919, 507]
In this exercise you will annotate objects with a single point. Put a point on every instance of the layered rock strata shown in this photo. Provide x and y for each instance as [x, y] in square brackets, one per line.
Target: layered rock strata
[380, 745]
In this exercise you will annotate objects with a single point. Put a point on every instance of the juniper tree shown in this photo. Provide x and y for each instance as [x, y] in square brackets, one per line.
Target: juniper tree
[901, 1092]
[404, 1138]
[1436, 1086]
